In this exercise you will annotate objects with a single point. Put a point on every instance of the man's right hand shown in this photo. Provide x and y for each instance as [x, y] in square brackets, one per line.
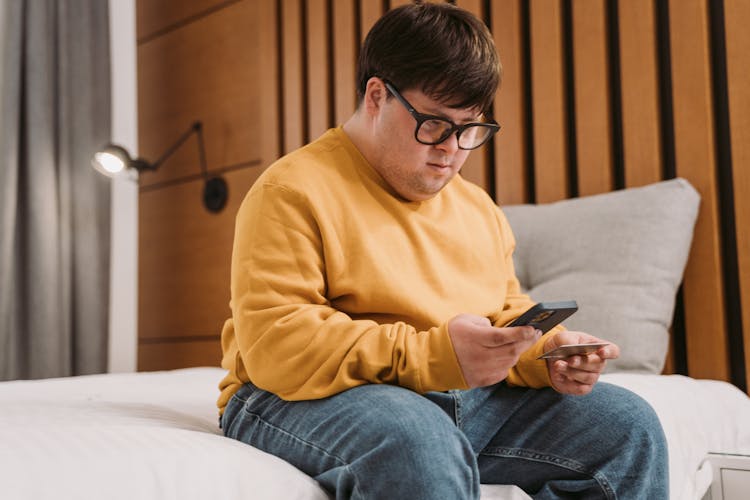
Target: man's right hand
[486, 353]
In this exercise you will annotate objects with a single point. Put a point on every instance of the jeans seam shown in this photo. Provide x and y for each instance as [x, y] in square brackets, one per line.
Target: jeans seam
[457, 408]
[252, 397]
[553, 460]
[304, 442]
[355, 490]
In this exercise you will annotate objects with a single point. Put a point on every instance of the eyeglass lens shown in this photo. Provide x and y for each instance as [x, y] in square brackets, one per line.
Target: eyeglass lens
[434, 131]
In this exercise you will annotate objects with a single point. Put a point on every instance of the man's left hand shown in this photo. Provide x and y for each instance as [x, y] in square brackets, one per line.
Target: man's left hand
[577, 374]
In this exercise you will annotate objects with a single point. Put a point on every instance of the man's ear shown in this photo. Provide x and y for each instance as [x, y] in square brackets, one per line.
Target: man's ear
[375, 95]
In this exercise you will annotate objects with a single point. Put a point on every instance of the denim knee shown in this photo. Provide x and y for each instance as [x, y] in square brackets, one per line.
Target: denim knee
[641, 444]
[370, 442]
[401, 446]
[414, 451]
[636, 416]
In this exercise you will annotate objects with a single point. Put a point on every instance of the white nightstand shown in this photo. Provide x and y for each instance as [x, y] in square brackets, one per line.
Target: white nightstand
[731, 476]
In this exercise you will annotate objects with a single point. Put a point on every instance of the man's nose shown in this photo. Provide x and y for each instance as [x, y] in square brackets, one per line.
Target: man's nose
[450, 145]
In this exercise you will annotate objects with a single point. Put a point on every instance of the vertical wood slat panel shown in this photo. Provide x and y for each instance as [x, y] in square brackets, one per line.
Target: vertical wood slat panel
[184, 258]
[593, 107]
[511, 159]
[268, 85]
[548, 98]
[220, 48]
[344, 59]
[369, 12]
[292, 85]
[184, 250]
[475, 167]
[736, 15]
[154, 16]
[318, 65]
[695, 160]
[641, 120]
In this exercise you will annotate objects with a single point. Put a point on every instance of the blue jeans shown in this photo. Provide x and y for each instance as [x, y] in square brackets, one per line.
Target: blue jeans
[387, 442]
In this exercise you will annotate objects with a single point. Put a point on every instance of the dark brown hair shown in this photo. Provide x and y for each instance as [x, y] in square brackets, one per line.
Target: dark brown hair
[440, 49]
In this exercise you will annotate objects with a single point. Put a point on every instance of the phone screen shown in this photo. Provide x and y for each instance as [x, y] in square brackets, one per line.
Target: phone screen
[545, 315]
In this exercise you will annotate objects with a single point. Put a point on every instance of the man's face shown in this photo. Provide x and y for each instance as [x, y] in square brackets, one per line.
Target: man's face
[416, 171]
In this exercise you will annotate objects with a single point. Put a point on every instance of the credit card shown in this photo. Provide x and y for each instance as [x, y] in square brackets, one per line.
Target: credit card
[567, 350]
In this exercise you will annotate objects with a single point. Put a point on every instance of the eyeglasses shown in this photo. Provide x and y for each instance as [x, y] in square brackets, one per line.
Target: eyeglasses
[433, 130]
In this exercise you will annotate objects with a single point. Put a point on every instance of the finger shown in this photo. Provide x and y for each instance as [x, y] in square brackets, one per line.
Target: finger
[565, 385]
[611, 351]
[576, 389]
[591, 362]
[582, 377]
[497, 337]
[568, 385]
[572, 374]
[575, 361]
[480, 320]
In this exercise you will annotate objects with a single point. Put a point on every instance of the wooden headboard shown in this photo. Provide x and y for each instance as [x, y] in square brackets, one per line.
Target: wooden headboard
[597, 95]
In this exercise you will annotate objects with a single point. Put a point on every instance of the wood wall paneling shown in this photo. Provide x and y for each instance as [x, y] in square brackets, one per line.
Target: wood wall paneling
[476, 167]
[474, 6]
[184, 258]
[397, 3]
[696, 161]
[369, 12]
[592, 102]
[548, 101]
[345, 52]
[155, 16]
[639, 77]
[511, 159]
[318, 69]
[205, 70]
[294, 115]
[736, 15]
[266, 76]
[268, 121]
[172, 355]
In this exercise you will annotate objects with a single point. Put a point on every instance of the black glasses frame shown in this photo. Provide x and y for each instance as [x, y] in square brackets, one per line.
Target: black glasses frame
[457, 129]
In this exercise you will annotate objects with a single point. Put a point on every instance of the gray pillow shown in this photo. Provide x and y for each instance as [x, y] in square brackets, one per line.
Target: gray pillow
[621, 255]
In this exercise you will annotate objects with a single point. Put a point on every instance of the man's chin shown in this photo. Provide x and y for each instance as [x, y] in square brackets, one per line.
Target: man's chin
[425, 192]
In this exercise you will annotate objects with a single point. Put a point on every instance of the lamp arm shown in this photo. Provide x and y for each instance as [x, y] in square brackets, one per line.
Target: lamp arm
[215, 189]
[196, 127]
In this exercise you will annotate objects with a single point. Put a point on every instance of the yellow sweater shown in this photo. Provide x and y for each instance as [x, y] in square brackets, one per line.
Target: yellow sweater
[337, 281]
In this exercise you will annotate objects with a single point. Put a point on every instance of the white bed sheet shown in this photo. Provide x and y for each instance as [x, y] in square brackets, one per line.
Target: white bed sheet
[698, 417]
[155, 436]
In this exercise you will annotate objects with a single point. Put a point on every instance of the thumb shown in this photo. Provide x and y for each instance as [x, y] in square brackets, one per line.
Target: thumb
[478, 320]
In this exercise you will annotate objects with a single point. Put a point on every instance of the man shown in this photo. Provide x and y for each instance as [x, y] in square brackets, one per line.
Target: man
[370, 289]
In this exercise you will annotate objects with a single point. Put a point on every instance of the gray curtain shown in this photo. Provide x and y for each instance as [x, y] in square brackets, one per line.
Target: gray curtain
[54, 208]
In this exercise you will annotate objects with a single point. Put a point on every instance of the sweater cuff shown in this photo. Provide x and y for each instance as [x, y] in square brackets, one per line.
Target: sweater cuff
[442, 372]
[530, 371]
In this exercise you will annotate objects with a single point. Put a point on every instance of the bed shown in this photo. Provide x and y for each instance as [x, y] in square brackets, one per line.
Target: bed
[155, 435]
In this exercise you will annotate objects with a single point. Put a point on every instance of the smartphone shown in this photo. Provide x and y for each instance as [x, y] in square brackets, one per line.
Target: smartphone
[545, 315]
[565, 351]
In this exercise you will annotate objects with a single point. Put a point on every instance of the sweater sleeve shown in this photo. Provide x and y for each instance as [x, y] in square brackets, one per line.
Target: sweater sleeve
[529, 371]
[290, 339]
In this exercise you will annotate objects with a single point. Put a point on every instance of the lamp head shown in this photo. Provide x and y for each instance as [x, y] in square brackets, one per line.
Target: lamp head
[113, 159]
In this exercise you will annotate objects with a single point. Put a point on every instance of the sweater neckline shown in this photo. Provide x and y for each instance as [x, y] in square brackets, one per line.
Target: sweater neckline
[365, 168]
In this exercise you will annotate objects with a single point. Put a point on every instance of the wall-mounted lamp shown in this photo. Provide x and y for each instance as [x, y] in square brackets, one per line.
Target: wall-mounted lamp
[113, 159]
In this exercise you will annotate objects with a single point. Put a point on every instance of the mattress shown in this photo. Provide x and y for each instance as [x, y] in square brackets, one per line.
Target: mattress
[155, 435]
